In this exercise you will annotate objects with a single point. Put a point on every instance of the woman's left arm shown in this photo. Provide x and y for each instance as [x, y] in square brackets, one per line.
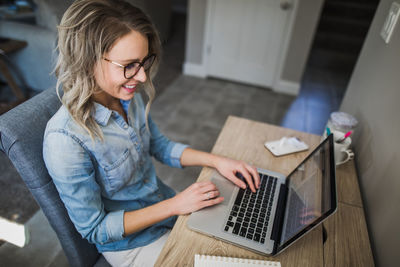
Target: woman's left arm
[225, 166]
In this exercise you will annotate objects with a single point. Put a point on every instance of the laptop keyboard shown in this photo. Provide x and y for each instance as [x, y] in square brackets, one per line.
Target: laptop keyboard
[251, 212]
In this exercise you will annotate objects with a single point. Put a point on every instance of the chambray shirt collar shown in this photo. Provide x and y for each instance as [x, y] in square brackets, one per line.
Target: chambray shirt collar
[102, 114]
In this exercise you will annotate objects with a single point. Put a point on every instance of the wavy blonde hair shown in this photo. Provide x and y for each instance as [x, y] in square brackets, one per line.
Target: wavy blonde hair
[88, 30]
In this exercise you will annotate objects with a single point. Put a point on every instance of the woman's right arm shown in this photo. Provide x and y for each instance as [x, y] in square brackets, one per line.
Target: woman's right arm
[73, 174]
[191, 199]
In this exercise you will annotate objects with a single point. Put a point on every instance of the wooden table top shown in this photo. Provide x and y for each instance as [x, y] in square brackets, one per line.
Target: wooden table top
[7, 46]
[244, 139]
[346, 242]
[11, 45]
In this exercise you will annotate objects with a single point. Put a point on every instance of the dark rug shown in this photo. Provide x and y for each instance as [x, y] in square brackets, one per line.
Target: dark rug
[16, 202]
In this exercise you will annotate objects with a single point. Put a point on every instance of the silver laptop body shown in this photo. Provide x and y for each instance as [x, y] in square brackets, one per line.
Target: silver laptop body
[300, 202]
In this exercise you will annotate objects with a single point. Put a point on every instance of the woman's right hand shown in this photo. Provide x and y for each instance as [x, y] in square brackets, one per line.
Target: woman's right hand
[197, 196]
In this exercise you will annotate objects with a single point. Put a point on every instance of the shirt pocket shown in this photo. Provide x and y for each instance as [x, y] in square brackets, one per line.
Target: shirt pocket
[122, 172]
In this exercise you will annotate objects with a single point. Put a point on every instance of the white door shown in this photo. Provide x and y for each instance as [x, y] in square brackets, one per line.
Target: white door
[245, 39]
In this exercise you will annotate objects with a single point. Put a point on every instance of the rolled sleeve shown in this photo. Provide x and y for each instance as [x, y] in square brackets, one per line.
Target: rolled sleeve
[115, 225]
[176, 154]
[73, 174]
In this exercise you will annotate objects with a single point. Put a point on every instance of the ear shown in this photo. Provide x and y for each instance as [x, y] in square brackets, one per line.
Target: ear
[99, 71]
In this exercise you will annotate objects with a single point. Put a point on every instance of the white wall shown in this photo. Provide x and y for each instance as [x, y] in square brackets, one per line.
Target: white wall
[304, 28]
[305, 24]
[373, 97]
[196, 20]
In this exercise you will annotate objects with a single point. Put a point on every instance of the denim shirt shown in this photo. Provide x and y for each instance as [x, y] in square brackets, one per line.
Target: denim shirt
[98, 181]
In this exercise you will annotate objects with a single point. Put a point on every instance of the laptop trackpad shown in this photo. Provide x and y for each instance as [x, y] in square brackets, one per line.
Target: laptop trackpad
[225, 188]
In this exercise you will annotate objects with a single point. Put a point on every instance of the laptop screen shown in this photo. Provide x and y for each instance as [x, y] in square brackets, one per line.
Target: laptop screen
[311, 194]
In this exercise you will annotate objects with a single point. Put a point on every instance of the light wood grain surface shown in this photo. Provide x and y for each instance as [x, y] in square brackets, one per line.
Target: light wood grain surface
[243, 139]
[347, 242]
[347, 184]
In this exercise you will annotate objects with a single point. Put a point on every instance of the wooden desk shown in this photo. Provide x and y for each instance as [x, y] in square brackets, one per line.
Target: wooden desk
[7, 47]
[347, 242]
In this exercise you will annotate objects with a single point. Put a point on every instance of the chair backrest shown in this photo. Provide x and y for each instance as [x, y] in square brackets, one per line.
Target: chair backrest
[21, 139]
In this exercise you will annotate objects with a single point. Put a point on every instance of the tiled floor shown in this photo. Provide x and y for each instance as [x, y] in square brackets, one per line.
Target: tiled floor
[193, 110]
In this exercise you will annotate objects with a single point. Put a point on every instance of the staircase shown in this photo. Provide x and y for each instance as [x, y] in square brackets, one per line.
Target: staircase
[341, 33]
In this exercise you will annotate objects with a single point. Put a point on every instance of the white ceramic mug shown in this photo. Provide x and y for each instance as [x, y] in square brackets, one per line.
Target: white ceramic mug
[343, 153]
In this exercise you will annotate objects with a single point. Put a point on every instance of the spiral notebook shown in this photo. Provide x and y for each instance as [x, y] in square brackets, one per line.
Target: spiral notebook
[214, 261]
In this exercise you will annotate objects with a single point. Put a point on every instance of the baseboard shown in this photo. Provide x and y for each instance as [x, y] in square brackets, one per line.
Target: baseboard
[192, 69]
[281, 86]
[287, 87]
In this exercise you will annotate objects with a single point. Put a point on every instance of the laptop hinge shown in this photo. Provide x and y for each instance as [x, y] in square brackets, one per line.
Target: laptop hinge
[279, 214]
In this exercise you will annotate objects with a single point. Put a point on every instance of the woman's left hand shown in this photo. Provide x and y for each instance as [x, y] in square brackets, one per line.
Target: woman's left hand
[229, 168]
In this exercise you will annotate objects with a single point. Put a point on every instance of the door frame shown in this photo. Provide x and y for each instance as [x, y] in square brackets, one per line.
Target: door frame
[278, 84]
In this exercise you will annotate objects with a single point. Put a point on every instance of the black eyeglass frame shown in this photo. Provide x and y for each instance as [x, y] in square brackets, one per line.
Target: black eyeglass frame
[141, 64]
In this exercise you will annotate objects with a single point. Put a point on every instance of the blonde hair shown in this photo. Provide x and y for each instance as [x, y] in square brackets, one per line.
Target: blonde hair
[88, 30]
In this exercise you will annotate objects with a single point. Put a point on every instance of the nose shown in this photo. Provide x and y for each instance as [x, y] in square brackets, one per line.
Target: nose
[141, 75]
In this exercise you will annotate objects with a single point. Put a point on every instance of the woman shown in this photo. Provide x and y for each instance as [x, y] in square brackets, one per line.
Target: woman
[98, 146]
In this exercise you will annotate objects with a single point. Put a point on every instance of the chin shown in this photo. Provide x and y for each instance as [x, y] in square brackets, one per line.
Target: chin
[127, 96]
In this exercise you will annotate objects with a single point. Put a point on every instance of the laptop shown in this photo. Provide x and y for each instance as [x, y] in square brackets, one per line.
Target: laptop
[281, 211]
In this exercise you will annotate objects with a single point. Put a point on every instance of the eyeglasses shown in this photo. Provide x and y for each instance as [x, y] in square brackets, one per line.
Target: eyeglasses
[133, 68]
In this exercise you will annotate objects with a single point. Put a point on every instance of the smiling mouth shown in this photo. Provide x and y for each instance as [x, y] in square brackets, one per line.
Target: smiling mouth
[129, 86]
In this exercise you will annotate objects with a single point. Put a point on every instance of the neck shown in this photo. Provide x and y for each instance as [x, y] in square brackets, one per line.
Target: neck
[106, 100]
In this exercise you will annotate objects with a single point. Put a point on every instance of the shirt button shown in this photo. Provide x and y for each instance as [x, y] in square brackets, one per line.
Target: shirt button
[125, 126]
[146, 180]
[159, 196]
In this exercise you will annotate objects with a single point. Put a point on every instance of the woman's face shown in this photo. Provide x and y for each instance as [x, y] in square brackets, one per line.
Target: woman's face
[110, 77]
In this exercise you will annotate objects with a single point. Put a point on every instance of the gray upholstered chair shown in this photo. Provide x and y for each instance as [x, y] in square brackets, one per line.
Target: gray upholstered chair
[21, 138]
